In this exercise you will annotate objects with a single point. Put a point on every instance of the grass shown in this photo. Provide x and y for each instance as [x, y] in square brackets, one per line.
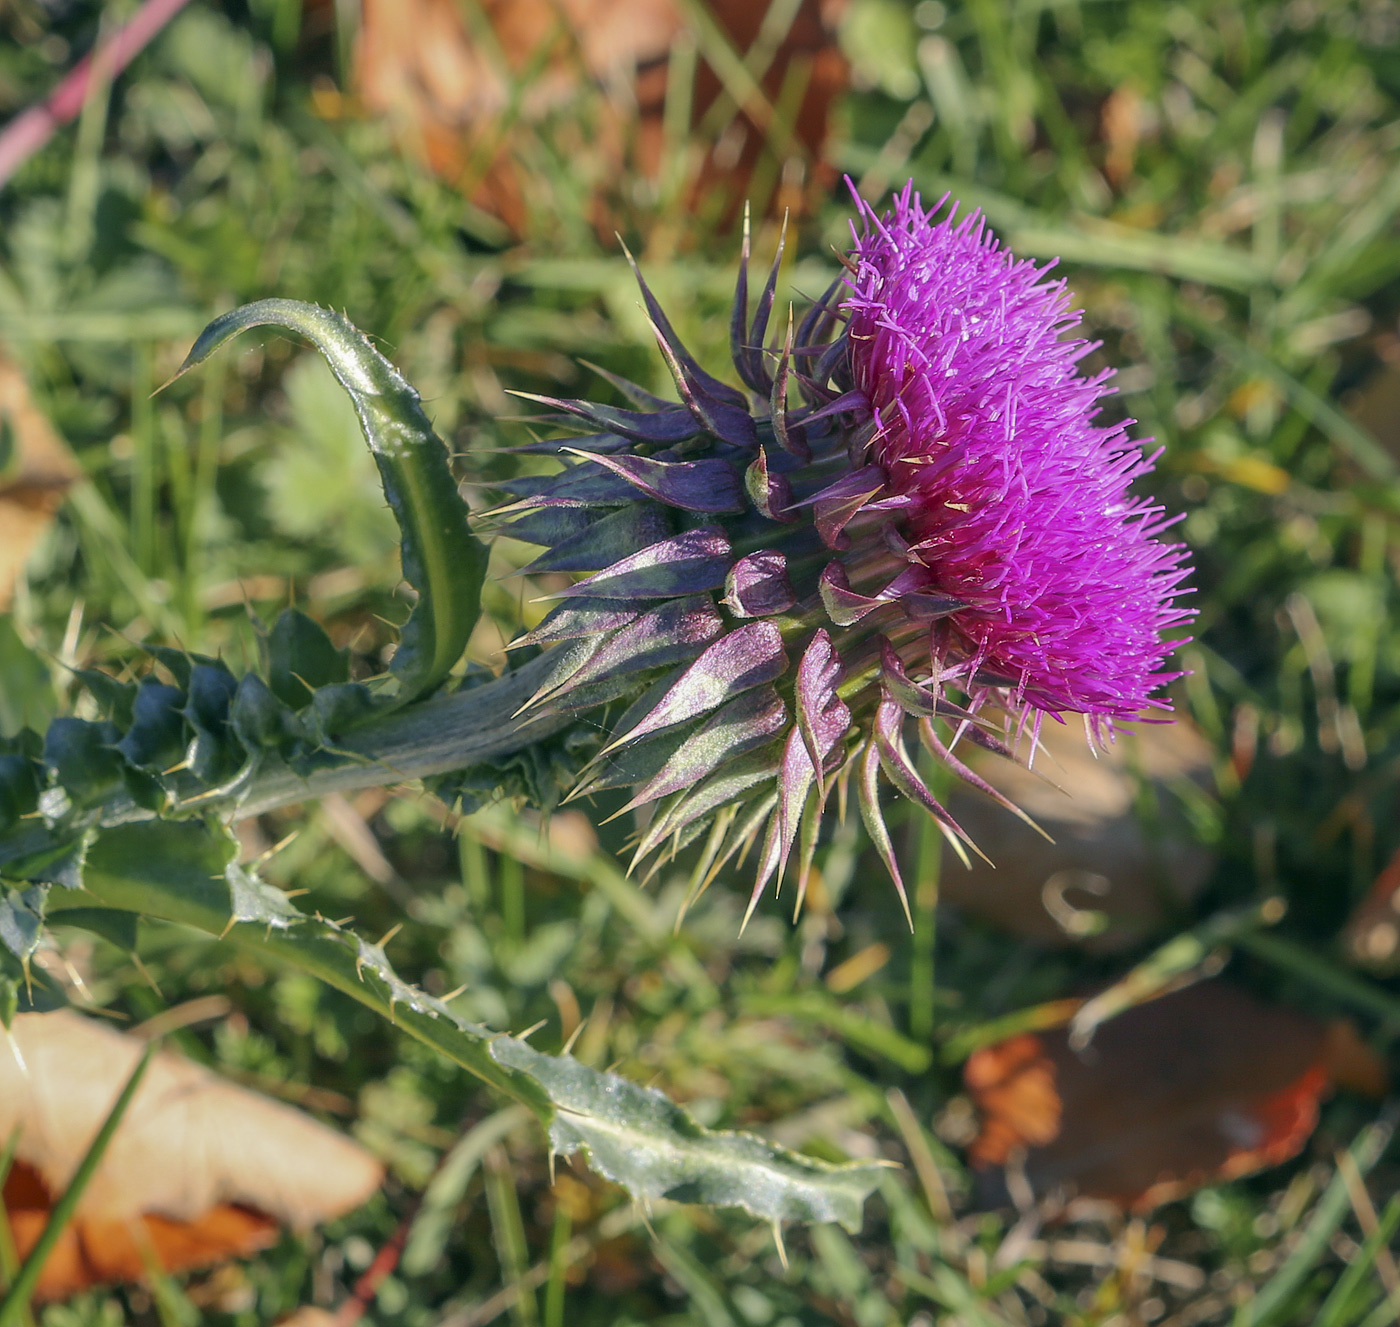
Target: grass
[1221, 181]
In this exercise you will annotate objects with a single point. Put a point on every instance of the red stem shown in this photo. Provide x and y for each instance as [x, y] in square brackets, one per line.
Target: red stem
[385, 1261]
[30, 130]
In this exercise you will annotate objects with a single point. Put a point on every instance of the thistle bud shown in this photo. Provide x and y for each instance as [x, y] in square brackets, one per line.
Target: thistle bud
[908, 522]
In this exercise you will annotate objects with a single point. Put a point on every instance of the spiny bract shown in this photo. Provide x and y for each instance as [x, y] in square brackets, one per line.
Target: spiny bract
[908, 519]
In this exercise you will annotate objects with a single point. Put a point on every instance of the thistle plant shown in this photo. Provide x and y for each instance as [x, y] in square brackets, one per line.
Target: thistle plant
[907, 522]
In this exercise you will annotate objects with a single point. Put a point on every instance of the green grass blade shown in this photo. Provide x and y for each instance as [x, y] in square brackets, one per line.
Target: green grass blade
[1174, 960]
[508, 1235]
[736, 77]
[1344, 433]
[1318, 972]
[558, 1266]
[17, 1299]
[856, 1028]
[1274, 1301]
[427, 1237]
[1335, 1311]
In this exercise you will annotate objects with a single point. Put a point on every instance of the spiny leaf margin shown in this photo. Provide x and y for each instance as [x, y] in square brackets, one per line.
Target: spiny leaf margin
[632, 1135]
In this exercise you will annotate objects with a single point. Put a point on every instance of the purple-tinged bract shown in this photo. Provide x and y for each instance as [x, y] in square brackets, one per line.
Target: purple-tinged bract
[911, 524]
[1011, 494]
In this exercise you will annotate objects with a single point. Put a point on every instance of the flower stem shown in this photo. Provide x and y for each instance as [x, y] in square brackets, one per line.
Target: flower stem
[434, 736]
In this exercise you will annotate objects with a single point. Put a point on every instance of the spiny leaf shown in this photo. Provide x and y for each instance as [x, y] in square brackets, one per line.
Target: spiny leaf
[22, 920]
[301, 658]
[212, 756]
[632, 1135]
[155, 740]
[642, 1140]
[441, 558]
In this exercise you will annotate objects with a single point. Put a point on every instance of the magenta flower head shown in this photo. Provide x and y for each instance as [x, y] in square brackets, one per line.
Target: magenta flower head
[1013, 498]
[909, 522]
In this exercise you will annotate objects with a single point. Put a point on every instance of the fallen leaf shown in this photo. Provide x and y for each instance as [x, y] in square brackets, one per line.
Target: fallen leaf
[1372, 935]
[36, 470]
[1197, 1087]
[1122, 123]
[460, 93]
[1103, 881]
[199, 1171]
[308, 1316]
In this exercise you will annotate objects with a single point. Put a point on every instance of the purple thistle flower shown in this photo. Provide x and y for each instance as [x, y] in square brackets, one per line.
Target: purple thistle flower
[1012, 497]
[907, 525]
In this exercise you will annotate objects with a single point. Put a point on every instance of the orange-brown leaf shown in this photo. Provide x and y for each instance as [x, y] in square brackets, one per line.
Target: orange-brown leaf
[1372, 935]
[200, 1169]
[1199, 1086]
[445, 85]
[97, 1251]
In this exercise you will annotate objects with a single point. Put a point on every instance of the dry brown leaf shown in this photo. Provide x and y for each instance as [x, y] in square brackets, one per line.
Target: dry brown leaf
[446, 85]
[1199, 1086]
[200, 1169]
[1372, 935]
[1103, 869]
[308, 1316]
[1122, 123]
[36, 470]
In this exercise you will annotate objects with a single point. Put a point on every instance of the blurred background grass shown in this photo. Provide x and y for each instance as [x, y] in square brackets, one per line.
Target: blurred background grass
[1221, 181]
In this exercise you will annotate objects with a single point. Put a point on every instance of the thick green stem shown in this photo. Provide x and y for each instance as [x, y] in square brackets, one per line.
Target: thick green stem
[434, 736]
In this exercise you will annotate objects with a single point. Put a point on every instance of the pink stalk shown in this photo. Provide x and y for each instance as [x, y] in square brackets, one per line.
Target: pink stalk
[30, 130]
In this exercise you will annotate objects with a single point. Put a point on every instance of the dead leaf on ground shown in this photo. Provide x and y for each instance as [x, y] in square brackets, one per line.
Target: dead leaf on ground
[36, 470]
[199, 1171]
[462, 94]
[1197, 1087]
[308, 1316]
[1104, 881]
[1122, 121]
[1372, 935]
